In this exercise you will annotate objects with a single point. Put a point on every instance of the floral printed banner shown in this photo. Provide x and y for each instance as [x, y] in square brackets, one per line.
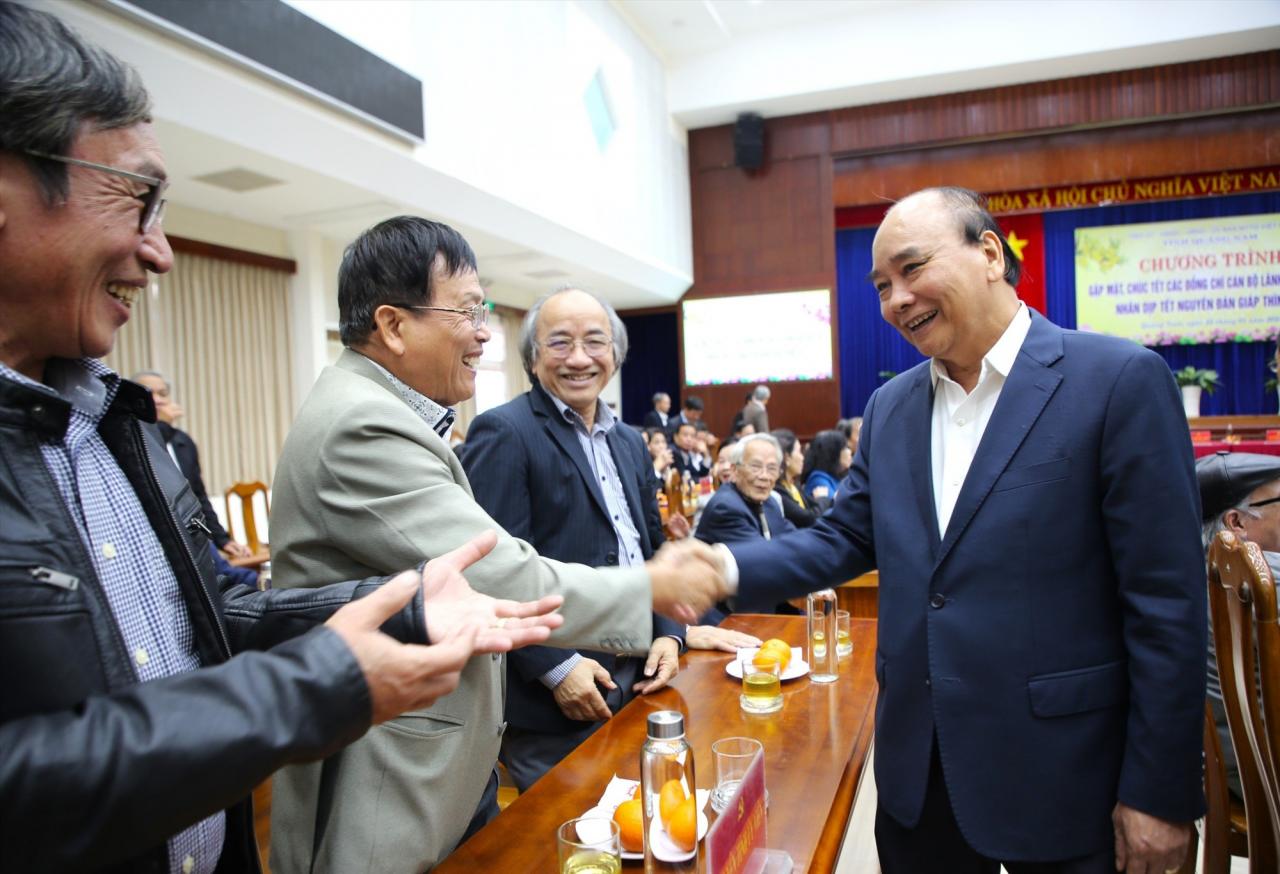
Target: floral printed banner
[1214, 280]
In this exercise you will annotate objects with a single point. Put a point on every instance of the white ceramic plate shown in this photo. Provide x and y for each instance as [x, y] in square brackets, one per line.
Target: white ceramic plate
[797, 668]
[665, 849]
[589, 833]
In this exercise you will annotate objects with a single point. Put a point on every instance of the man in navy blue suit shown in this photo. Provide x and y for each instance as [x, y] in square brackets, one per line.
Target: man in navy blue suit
[1040, 642]
[743, 510]
[554, 467]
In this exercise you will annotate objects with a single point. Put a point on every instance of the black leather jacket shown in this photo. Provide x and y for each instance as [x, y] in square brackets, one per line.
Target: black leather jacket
[96, 769]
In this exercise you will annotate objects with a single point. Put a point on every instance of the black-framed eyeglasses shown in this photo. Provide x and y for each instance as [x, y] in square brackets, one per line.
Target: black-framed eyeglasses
[562, 347]
[1267, 501]
[152, 202]
[478, 314]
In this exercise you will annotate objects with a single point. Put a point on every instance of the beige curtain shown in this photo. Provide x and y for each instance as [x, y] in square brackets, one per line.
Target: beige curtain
[219, 331]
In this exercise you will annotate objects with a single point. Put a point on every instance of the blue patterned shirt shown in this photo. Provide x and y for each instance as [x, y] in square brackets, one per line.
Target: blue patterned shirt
[130, 563]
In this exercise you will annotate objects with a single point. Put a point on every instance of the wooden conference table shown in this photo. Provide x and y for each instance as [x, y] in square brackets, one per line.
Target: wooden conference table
[815, 748]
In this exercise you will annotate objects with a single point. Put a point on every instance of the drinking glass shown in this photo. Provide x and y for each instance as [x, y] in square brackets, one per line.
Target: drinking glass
[589, 845]
[761, 684]
[844, 640]
[733, 756]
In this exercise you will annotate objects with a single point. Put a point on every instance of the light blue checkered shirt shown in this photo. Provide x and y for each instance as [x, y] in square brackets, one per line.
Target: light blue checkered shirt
[132, 569]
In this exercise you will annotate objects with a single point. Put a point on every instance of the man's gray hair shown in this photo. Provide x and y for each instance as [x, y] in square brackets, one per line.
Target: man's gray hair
[157, 374]
[1211, 528]
[761, 393]
[529, 328]
[52, 84]
[737, 450]
[661, 396]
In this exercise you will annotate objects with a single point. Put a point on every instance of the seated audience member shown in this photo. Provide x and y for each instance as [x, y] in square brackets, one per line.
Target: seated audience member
[691, 413]
[657, 417]
[744, 510]
[722, 473]
[852, 430]
[755, 413]
[182, 449]
[240, 576]
[144, 699]
[1240, 493]
[691, 452]
[825, 464]
[794, 504]
[664, 463]
[742, 429]
[557, 469]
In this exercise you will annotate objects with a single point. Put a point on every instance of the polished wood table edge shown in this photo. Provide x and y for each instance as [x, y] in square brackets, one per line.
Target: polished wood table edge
[827, 853]
[494, 848]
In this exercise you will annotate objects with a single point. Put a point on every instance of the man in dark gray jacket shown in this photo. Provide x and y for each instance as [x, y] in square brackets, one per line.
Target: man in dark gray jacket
[130, 737]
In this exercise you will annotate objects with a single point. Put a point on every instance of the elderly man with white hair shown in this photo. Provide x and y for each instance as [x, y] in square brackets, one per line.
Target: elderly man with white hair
[743, 510]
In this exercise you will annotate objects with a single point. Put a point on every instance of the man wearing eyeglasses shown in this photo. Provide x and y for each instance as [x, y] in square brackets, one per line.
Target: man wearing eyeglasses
[1240, 493]
[143, 698]
[555, 467]
[365, 478]
[744, 510]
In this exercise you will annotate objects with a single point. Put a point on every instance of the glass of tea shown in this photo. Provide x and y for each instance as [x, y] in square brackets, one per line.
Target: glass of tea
[844, 640]
[589, 845]
[761, 686]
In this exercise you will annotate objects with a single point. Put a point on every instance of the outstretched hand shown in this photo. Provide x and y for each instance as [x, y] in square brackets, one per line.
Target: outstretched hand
[449, 603]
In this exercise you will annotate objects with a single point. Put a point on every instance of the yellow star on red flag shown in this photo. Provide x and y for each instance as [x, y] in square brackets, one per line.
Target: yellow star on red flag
[1017, 245]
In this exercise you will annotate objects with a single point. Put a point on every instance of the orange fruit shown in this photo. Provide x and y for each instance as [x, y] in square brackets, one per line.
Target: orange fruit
[630, 820]
[774, 650]
[683, 825]
[671, 796]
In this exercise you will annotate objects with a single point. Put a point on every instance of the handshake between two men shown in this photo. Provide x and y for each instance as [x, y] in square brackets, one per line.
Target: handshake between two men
[686, 581]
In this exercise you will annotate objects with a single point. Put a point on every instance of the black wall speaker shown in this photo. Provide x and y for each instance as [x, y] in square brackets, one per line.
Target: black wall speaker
[748, 141]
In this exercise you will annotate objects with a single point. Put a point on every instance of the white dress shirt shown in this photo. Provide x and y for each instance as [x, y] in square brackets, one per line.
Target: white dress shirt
[960, 420]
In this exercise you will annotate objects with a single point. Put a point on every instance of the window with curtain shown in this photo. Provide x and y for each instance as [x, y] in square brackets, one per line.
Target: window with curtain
[219, 332]
[500, 374]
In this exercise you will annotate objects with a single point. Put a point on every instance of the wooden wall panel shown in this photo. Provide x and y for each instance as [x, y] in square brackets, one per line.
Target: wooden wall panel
[804, 407]
[1219, 142]
[1190, 89]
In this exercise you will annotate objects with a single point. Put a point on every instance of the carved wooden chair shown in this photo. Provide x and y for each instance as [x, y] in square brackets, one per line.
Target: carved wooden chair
[1242, 601]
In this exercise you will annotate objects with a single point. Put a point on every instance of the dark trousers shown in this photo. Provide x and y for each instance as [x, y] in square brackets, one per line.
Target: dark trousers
[936, 846]
[486, 810]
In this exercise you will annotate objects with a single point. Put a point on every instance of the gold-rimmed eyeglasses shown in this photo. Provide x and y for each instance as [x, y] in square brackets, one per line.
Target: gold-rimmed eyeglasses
[478, 314]
[153, 200]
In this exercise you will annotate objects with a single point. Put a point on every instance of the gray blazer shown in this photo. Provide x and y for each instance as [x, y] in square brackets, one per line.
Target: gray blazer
[364, 487]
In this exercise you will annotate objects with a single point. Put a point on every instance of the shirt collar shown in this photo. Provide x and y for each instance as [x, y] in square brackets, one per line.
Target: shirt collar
[85, 383]
[438, 418]
[1000, 357]
[605, 419]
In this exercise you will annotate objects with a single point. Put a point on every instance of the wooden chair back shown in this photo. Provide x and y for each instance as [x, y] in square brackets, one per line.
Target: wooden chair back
[249, 523]
[1242, 602]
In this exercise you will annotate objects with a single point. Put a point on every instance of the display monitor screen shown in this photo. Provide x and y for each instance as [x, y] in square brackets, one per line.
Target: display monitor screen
[757, 338]
[1212, 280]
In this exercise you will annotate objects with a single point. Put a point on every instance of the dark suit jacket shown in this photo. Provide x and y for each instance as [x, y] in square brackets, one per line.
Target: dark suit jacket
[730, 518]
[1052, 637]
[686, 464]
[189, 463]
[528, 471]
[653, 420]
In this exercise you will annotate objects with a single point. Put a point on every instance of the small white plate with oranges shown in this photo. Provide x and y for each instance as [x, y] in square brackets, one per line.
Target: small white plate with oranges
[790, 657]
[670, 834]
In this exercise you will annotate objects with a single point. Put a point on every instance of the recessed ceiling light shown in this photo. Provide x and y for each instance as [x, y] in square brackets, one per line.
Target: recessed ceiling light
[239, 179]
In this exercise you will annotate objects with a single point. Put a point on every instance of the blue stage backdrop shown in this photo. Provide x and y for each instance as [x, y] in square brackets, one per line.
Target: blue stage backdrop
[652, 364]
[868, 345]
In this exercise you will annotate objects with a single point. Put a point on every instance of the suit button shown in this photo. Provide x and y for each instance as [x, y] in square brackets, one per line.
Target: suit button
[928, 682]
[611, 558]
[937, 600]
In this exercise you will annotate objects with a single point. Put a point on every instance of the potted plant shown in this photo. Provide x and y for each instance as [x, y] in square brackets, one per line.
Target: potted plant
[1194, 381]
